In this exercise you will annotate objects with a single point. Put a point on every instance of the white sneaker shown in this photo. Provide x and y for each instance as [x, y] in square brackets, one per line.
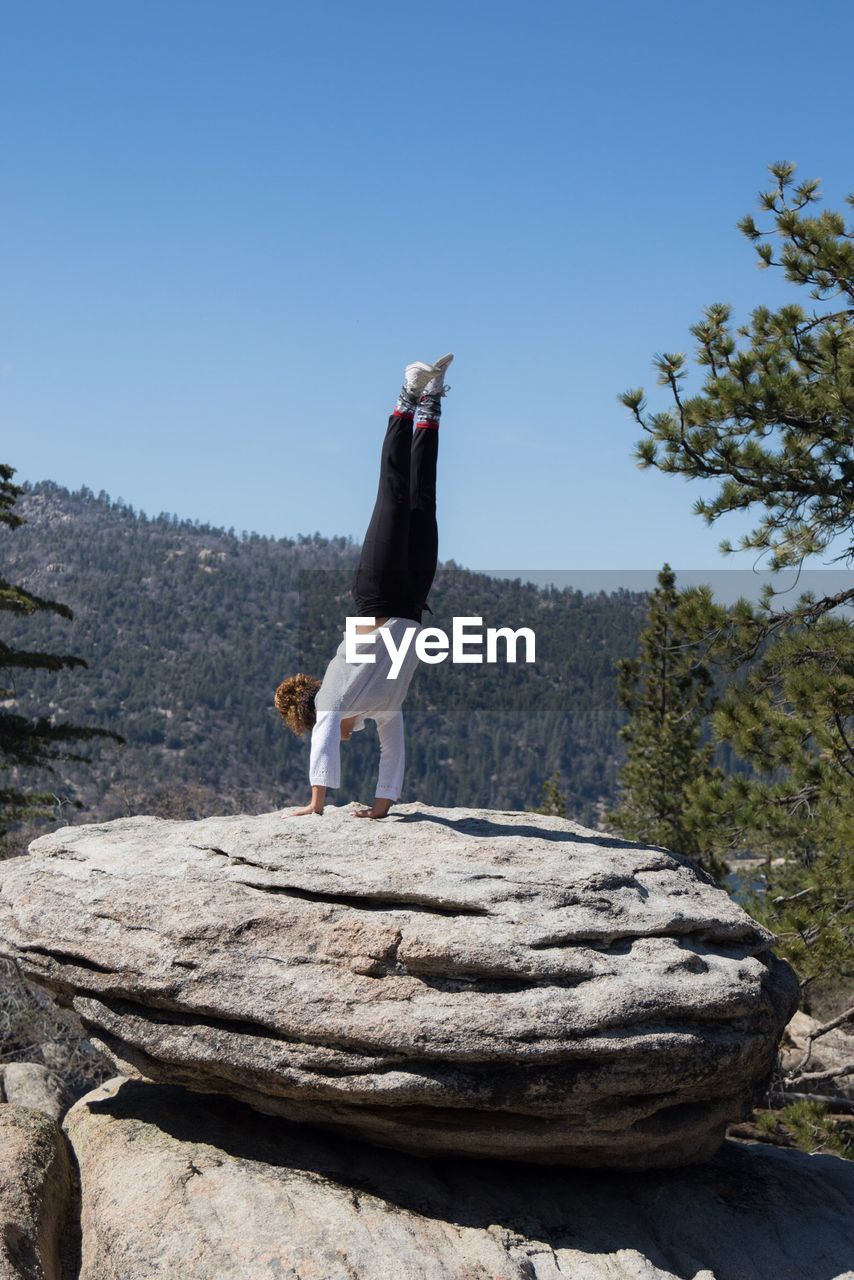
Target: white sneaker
[436, 385]
[416, 376]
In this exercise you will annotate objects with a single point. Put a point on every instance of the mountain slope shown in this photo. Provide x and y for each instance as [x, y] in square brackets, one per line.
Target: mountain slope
[187, 629]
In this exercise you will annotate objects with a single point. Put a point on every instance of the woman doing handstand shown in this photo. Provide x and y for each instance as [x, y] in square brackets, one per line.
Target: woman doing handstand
[390, 586]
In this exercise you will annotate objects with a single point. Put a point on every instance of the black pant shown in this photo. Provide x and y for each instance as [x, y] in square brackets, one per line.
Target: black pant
[401, 547]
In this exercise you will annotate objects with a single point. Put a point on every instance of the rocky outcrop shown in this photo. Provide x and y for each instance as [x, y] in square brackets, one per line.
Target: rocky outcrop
[181, 1185]
[493, 984]
[35, 1193]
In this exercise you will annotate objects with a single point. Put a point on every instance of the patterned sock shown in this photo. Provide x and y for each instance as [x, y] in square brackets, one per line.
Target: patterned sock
[429, 412]
[405, 404]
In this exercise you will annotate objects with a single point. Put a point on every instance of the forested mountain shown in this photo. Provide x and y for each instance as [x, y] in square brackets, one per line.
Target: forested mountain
[187, 629]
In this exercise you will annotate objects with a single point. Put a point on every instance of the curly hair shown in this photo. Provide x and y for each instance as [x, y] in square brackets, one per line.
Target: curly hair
[295, 702]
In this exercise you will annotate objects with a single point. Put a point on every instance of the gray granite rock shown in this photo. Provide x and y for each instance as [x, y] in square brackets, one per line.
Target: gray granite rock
[495, 984]
[181, 1185]
[29, 1084]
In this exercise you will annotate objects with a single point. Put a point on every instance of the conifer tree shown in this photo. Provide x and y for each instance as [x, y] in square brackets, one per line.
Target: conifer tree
[668, 692]
[790, 386]
[30, 743]
[774, 423]
[553, 803]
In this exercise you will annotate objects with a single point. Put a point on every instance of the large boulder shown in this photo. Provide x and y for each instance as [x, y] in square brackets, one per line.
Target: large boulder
[182, 1185]
[496, 984]
[35, 1194]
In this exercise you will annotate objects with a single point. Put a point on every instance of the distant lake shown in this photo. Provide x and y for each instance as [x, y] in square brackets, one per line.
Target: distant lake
[745, 879]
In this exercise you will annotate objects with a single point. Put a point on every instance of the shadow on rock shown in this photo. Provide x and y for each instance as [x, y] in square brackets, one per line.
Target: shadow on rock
[485, 828]
[749, 1213]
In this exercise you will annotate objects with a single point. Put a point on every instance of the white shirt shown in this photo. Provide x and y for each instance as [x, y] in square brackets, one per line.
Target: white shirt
[366, 691]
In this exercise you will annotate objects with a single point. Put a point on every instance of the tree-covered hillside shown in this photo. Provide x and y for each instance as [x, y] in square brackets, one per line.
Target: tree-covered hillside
[187, 630]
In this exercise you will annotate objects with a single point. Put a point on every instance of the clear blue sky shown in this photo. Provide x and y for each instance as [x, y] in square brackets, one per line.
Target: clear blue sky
[227, 226]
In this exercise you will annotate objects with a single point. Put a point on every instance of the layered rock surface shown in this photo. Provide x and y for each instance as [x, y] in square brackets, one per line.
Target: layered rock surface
[494, 984]
[182, 1185]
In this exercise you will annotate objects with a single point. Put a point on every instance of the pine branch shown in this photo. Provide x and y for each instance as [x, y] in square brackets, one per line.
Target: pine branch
[820, 1077]
[34, 660]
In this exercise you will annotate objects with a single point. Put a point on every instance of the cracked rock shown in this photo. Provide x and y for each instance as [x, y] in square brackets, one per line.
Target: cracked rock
[494, 984]
[192, 1186]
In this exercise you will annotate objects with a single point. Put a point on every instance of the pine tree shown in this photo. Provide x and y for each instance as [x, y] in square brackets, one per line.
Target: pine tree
[553, 803]
[774, 424]
[792, 386]
[668, 692]
[27, 743]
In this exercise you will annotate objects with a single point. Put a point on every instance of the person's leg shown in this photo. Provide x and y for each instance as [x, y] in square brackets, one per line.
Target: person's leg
[423, 551]
[423, 531]
[381, 583]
